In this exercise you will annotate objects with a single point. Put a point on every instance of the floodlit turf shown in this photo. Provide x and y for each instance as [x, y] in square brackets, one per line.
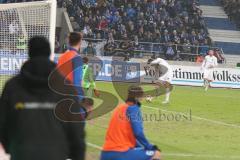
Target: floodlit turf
[208, 129]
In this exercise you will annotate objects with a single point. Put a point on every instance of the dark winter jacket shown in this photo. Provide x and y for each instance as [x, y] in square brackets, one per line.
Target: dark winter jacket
[29, 129]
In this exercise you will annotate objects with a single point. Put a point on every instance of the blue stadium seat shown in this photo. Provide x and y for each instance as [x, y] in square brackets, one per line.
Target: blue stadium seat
[229, 48]
[209, 2]
[215, 23]
[220, 23]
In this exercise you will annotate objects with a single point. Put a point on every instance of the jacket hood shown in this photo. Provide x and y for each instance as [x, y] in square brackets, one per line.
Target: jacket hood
[35, 72]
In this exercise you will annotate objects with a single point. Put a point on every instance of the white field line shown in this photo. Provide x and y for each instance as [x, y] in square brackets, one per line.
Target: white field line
[200, 156]
[196, 117]
[183, 154]
[94, 146]
[179, 154]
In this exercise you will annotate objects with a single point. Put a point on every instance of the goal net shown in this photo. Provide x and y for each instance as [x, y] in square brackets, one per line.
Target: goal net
[18, 23]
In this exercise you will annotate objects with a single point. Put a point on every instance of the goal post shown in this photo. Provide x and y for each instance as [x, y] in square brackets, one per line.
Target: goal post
[31, 18]
[18, 23]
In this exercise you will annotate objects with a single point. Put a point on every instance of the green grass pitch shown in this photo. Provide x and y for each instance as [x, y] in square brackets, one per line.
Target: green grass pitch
[211, 132]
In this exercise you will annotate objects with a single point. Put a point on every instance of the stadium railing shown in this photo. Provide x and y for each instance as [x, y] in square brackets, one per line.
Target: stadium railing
[142, 49]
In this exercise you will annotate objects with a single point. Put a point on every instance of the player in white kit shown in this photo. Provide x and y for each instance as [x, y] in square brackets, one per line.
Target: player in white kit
[208, 65]
[163, 76]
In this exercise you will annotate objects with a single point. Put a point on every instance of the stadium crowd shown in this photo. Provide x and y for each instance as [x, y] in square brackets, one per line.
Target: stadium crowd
[176, 24]
[160, 21]
[232, 8]
[135, 27]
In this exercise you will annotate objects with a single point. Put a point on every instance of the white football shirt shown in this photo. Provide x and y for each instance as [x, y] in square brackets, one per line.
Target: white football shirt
[209, 61]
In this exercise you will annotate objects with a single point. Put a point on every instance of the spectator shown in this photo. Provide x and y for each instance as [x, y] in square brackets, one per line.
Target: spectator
[103, 23]
[168, 17]
[110, 46]
[166, 21]
[89, 50]
[75, 25]
[204, 48]
[148, 37]
[195, 47]
[193, 37]
[170, 51]
[110, 38]
[186, 47]
[57, 46]
[175, 38]
[136, 43]
[218, 55]
[98, 36]
[200, 59]
[89, 3]
[130, 11]
[87, 31]
[166, 37]
[232, 8]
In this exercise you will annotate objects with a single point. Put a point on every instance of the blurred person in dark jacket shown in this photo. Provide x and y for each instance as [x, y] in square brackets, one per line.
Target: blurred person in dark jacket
[89, 50]
[31, 126]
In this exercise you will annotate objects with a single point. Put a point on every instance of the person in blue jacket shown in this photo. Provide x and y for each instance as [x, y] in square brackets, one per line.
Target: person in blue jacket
[125, 139]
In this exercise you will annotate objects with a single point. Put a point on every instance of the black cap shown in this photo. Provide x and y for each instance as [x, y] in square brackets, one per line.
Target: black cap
[39, 46]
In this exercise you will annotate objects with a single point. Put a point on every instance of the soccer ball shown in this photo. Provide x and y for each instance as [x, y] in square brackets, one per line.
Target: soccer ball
[149, 99]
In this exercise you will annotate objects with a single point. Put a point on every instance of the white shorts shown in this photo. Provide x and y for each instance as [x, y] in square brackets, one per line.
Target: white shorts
[167, 77]
[208, 74]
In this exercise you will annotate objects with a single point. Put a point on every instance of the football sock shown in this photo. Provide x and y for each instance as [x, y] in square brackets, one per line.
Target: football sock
[167, 94]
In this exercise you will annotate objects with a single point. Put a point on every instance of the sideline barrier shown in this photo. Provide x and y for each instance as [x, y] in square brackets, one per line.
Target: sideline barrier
[104, 69]
[108, 70]
[193, 76]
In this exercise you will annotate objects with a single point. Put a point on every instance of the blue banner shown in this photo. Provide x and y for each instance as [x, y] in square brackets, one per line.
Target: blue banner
[104, 70]
[107, 70]
[11, 63]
